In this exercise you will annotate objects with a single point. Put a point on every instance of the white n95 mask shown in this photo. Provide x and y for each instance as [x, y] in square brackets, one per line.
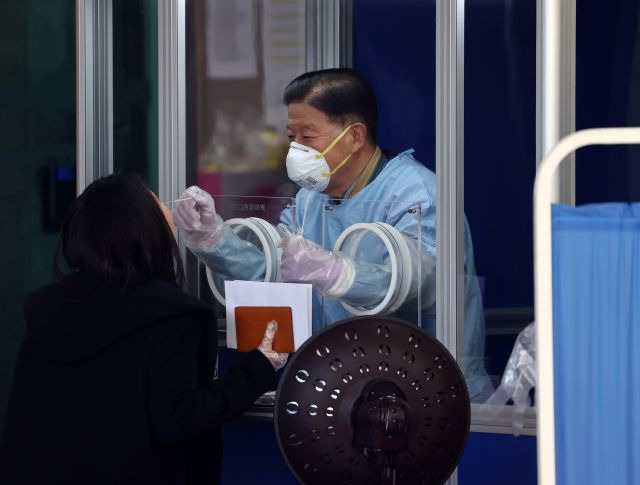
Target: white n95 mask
[308, 168]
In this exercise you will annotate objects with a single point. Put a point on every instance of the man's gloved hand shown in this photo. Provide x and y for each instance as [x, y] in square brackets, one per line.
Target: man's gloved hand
[197, 217]
[304, 261]
[276, 359]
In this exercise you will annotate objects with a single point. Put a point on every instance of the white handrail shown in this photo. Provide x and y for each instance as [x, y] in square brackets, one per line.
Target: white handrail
[543, 197]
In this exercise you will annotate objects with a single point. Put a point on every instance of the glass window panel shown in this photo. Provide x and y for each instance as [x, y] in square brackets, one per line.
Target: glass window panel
[402, 69]
[500, 87]
[499, 147]
[394, 46]
[135, 88]
[607, 95]
[37, 167]
[240, 57]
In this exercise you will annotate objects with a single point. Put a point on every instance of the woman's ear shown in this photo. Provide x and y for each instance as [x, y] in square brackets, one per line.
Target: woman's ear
[358, 134]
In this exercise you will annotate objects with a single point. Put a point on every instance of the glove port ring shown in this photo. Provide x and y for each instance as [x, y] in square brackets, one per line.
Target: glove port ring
[269, 239]
[358, 231]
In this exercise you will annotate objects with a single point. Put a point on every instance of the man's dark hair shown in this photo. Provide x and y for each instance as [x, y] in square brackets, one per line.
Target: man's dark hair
[344, 95]
[116, 231]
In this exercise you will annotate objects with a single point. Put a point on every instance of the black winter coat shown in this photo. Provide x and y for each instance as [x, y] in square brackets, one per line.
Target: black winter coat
[117, 387]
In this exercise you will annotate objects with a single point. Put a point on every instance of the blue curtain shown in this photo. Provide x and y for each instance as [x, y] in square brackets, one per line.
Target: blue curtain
[596, 302]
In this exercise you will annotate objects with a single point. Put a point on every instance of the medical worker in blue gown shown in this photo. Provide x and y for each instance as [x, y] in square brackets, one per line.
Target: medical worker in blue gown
[335, 159]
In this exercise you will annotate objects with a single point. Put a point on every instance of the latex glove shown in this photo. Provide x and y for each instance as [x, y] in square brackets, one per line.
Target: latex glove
[520, 376]
[276, 359]
[196, 216]
[304, 261]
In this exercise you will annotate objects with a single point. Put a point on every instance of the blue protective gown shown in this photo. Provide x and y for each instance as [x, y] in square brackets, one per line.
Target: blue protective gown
[402, 185]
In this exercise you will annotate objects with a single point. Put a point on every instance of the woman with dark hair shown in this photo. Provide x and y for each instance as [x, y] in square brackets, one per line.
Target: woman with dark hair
[114, 382]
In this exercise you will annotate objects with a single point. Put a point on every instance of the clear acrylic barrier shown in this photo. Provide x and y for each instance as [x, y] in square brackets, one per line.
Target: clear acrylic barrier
[241, 206]
[267, 208]
[395, 274]
[390, 244]
[394, 264]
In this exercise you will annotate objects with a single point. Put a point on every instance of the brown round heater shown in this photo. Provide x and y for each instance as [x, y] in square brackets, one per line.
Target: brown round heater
[372, 401]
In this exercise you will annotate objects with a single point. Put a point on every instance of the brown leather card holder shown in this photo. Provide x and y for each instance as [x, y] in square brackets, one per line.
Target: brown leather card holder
[251, 323]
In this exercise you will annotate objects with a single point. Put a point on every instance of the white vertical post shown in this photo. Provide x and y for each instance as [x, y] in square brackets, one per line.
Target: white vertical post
[171, 99]
[172, 143]
[328, 31]
[555, 97]
[450, 172]
[450, 177]
[94, 90]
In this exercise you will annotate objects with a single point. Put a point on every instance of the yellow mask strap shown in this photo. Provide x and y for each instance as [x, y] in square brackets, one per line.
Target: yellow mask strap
[334, 142]
[338, 167]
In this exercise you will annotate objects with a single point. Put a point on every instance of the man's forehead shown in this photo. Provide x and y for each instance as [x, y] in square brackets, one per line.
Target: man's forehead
[302, 124]
[305, 116]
